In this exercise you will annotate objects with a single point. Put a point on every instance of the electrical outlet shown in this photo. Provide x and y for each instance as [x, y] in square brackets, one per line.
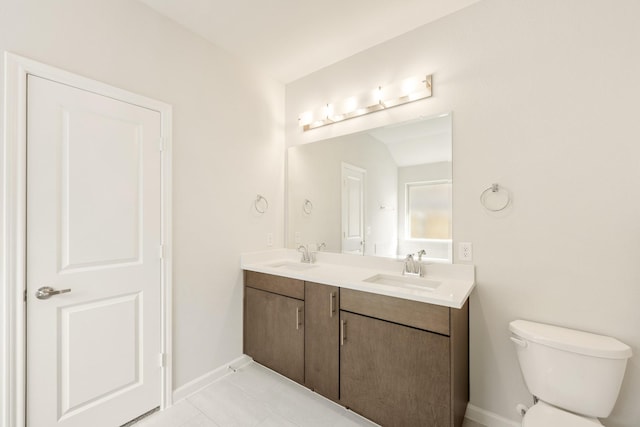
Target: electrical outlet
[269, 239]
[297, 238]
[465, 251]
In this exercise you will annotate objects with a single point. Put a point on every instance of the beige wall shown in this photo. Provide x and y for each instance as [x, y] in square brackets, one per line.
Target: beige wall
[544, 96]
[227, 147]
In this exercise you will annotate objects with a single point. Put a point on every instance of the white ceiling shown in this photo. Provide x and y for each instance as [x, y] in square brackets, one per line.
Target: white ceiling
[289, 39]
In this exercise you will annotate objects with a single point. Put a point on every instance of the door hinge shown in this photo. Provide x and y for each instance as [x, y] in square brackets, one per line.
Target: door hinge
[24, 295]
[163, 360]
[161, 251]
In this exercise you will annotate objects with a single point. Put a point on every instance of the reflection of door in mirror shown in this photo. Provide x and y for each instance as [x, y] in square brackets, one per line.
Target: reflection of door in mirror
[353, 182]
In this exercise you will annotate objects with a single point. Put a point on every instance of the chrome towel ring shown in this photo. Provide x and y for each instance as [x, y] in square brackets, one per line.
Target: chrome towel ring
[500, 196]
[261, 204]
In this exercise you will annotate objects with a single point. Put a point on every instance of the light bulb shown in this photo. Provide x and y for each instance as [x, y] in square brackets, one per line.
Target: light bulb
[377, 94]
[410, 85]
[305, 118]
[350, 104]
[328, 111]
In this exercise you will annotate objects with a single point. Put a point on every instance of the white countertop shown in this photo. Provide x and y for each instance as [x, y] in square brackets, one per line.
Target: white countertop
[350, 271]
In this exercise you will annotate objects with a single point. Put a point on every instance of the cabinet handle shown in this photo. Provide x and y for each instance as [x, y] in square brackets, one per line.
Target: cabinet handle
[343, 331]
[298, 318]
[332, 303]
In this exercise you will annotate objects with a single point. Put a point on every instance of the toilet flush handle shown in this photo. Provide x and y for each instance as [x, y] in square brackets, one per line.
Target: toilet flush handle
[521, 343]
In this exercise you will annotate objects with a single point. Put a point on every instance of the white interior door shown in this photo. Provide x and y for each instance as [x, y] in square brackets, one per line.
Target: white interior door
[353, 182]
[94, 227]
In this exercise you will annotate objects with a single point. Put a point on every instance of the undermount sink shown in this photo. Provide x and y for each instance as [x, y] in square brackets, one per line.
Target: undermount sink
[292, 265]
[407, 282]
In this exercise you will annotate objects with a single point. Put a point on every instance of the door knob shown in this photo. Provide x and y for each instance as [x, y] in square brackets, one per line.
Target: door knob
[46, 292]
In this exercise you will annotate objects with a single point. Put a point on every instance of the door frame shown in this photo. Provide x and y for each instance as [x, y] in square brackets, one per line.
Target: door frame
[13, 191]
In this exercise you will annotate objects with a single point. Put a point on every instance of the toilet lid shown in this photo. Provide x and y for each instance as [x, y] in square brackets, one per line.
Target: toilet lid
[544, 415]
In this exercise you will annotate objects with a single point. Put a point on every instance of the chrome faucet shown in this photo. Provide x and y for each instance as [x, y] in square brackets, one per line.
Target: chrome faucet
[409, 265]
[306, 258]
[413, 267]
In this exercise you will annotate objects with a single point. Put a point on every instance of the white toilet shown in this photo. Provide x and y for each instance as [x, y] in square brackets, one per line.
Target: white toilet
[574, 376]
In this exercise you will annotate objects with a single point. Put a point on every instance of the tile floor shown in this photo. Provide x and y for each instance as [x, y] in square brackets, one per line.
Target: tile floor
[255, 396]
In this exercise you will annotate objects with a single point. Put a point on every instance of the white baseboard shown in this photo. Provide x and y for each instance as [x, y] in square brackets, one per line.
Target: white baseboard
[487, 418]
[203, 381]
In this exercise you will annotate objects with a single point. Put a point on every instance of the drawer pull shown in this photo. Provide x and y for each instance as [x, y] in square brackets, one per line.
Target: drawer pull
[298, 310]
[332, 303]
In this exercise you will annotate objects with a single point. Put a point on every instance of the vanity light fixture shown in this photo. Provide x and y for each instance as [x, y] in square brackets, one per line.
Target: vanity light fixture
[380, 98]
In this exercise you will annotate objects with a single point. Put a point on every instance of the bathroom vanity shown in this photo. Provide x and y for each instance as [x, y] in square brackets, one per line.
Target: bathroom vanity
[356, 331]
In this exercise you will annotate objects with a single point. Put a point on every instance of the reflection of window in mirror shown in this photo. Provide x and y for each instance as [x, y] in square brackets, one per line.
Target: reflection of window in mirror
[428, 210]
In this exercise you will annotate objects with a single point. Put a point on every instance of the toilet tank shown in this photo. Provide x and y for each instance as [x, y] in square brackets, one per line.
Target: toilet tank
[573, 370]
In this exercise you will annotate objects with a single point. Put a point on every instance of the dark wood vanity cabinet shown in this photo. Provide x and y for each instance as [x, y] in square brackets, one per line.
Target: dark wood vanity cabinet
[395, 361]
[393, 374]
[322, 351]
[274, 323]
[402, 362]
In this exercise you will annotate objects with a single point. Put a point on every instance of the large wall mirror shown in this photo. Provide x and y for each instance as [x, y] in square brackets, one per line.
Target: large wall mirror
[384, 192]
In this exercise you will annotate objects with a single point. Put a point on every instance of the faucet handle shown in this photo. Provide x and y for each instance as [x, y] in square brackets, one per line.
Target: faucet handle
[420, 253]
[408, 260]
[304, 250]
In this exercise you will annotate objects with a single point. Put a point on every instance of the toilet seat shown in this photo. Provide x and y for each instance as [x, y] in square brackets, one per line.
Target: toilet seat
[544, 415]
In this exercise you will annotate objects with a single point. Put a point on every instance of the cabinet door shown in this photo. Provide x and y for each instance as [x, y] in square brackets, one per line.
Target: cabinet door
[393, 374]
[274, 332]
[321, 339]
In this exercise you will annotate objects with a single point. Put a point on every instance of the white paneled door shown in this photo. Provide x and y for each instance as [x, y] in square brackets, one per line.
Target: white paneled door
[94, 235]
[353, 183]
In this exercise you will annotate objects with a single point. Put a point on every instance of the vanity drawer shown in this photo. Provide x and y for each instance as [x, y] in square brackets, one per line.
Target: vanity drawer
[286, 286]
[434, 318]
